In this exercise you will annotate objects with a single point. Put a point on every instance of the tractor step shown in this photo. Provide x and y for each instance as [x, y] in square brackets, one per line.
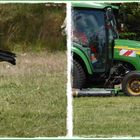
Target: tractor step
[93, 92]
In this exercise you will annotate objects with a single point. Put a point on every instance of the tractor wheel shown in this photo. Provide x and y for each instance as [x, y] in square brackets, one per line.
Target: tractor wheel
[131, 84]
[78, 75]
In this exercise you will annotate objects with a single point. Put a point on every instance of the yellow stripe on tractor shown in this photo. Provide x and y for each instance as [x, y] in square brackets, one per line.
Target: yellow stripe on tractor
[128, 48]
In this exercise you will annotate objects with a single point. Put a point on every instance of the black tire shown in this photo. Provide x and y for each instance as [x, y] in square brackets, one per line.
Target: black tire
[131, 84]
[78, 75]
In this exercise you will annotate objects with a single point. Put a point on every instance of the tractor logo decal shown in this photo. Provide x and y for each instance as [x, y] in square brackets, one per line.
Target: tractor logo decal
[129, 53]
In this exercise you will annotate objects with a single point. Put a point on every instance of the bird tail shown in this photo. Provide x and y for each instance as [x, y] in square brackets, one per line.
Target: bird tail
[8, 57]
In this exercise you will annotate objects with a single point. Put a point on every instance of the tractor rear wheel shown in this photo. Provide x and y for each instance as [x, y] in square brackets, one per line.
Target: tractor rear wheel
[78, 75]
[131, 84]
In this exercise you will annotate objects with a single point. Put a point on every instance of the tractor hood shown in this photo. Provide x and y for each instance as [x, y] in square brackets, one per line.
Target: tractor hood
[128, 45]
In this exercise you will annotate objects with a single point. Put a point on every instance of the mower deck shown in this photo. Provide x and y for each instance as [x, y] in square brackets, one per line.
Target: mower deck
[93, 92]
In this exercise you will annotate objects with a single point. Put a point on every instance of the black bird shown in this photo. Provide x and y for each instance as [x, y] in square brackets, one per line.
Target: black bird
[8, 57]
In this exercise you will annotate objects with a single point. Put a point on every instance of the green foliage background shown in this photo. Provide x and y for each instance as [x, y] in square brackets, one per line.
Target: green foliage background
[28, 27]
[131, 13]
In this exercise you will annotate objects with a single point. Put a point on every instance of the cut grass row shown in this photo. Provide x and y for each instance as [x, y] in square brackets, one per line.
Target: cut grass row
[107, 116]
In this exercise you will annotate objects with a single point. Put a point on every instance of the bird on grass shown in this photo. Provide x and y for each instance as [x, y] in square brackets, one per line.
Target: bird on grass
[8, 57]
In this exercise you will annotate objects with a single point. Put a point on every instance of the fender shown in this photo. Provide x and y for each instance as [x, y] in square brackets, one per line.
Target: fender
[83, 56]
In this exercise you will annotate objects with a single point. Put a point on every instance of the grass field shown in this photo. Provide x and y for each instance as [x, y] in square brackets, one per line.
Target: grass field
[33, 96]
[107, 116]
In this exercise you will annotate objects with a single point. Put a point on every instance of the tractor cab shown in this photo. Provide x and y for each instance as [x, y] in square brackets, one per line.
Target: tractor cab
[99, 56]
[95, 30]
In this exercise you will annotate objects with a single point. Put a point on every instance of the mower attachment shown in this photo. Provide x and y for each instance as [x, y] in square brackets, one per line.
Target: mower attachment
[93, 92]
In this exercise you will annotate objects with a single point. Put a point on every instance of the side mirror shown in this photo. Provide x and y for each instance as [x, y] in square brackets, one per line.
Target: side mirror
[109, 14]
[121, 20]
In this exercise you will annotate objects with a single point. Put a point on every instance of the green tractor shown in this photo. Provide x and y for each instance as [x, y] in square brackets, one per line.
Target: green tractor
[99, 56]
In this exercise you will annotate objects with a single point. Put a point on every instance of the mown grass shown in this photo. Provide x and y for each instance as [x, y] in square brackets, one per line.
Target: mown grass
[33, 96]
[107, 116]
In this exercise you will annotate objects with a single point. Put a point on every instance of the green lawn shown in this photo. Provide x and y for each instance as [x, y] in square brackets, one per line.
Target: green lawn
[107, 116]
[33, 96]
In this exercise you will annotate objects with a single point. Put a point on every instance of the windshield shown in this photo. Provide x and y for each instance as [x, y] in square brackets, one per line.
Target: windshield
[88, 26]
[111, 23]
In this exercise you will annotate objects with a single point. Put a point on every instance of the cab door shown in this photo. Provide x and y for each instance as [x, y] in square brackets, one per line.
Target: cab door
[89, 31]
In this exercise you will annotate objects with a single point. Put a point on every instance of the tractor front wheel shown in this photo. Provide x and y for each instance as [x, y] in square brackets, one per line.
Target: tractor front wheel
[131, 84]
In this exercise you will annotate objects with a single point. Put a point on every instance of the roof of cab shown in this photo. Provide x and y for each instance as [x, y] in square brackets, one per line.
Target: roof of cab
[92, 5]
